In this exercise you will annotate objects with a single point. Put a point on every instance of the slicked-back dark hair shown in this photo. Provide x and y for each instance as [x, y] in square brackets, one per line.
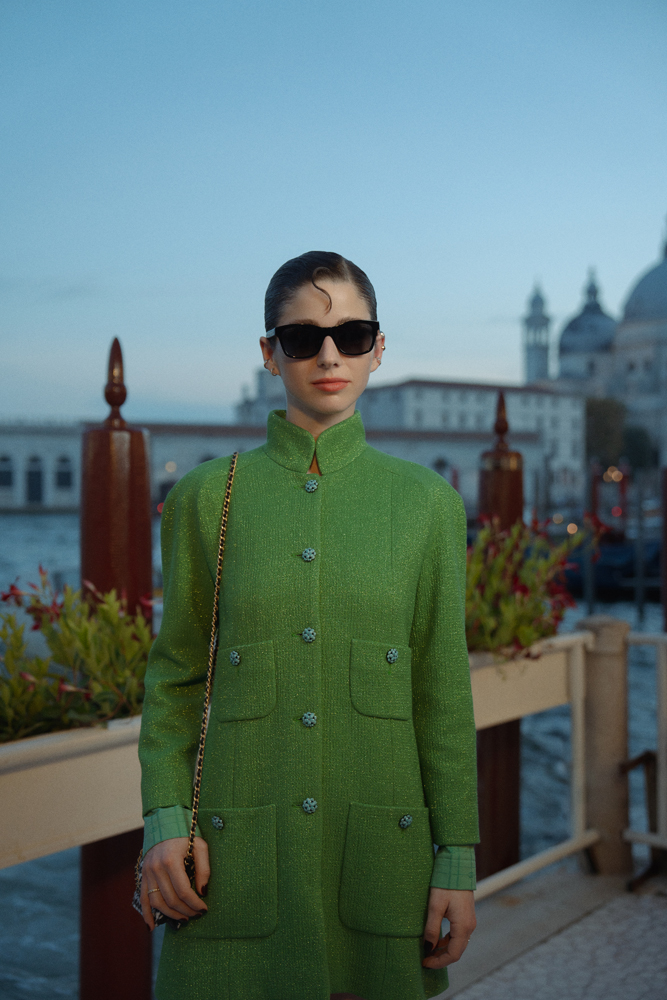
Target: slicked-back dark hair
[304, 270]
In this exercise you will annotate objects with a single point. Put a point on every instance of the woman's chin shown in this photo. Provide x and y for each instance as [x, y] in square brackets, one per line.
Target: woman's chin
[330, 403]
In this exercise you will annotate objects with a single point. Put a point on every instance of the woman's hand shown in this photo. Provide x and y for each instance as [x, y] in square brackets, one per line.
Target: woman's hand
[458, 905]
[163, 870]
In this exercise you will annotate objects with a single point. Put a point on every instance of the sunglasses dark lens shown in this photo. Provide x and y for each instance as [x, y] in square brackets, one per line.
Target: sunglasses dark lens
[355, 338]
[301, 341]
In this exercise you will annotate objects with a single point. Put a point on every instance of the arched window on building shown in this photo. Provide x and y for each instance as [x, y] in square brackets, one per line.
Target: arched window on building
[34, 481]
[64, 476]
[6, 471]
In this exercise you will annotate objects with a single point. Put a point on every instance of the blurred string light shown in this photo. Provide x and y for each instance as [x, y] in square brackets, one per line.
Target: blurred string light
[572, 528]
[612, 475]
[557, 519]
[616, 511]
[171, 467]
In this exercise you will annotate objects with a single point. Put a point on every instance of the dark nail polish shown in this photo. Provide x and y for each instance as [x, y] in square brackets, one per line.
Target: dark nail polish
[204, 890]
[428, 948]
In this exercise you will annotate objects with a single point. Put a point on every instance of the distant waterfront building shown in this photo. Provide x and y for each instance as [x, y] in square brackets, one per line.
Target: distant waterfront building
[624, 360]
[39, 466]
[443, 425]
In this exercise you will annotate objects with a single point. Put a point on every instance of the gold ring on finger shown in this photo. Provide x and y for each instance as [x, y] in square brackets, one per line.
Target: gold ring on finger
[157, 889]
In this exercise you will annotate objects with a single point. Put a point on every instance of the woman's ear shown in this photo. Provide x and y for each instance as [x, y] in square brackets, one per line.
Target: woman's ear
[268, 354]
[377, 352]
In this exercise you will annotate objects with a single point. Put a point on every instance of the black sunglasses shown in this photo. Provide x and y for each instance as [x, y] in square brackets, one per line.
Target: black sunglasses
[303, 340]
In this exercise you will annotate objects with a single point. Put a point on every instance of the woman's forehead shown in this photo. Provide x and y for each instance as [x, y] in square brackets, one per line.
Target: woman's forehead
[340, 301]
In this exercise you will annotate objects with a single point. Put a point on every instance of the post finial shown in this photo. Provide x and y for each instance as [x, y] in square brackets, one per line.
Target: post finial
[501, 426]
[115, 392]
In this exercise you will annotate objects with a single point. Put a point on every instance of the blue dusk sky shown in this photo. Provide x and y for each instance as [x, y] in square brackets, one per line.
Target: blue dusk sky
[160, 160]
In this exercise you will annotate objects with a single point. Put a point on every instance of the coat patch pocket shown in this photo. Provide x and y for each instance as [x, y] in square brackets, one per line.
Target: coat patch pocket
[242, 895]
[381, 679]
[245, 682]
[386, 870]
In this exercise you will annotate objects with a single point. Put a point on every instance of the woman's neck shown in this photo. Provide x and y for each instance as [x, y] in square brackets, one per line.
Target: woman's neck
[315, 423]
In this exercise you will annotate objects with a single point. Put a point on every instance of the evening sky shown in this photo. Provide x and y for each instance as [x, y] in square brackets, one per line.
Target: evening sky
[160, 160]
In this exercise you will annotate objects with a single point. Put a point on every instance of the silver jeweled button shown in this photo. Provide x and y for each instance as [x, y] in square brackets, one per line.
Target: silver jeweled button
[311, 485]
[217, 823]
[309, 805]
[234, 658]
[405, 821]
[309, 719]
[308, 555]
[308, 635]
[392, 655]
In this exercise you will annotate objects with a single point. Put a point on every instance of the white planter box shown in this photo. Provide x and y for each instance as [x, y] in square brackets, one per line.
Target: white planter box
[65, 789]
[514, 688]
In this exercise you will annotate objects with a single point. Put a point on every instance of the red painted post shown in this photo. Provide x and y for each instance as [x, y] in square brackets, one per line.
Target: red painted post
[115, 950]
[499, 747]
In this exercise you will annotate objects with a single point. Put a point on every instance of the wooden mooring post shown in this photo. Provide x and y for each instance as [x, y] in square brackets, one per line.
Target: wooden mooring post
[499, 747]
[606, 714]
[116, 553]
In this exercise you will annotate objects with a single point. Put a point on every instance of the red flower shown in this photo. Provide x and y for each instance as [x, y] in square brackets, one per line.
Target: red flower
[13, 595]
[65, 688]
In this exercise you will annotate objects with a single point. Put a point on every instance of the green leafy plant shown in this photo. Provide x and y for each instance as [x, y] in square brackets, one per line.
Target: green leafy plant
[95, 668]
[515, 591]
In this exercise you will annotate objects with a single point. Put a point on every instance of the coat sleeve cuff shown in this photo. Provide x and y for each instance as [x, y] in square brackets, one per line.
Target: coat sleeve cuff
[166, 823]
[454, 868]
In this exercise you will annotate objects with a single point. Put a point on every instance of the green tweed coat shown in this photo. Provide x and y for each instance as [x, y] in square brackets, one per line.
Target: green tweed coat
[341, 742]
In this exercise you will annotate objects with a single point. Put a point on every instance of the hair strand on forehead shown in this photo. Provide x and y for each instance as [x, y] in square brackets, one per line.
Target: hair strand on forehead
[325, 274]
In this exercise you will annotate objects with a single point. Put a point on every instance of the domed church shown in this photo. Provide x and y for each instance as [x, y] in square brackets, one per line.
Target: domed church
[585, 350]
[601, 357]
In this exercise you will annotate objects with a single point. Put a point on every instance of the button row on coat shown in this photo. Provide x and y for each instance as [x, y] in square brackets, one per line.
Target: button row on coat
[309, 806]
[311, 486]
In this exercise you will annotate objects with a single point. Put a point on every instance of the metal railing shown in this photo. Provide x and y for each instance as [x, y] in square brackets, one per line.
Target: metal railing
[581, 837]
[657, 838]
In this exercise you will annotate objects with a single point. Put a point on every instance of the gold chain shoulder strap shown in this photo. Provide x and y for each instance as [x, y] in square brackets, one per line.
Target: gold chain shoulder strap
[210, 671]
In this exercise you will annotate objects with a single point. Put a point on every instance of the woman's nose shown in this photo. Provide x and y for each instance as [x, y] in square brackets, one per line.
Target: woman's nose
[328, 352]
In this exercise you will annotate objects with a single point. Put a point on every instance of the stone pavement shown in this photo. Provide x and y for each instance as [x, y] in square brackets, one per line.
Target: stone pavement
[617, 952]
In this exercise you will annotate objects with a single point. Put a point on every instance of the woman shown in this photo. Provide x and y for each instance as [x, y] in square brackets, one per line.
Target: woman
[341, 741]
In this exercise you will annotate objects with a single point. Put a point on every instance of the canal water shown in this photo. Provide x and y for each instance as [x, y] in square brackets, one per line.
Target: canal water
[39, 899]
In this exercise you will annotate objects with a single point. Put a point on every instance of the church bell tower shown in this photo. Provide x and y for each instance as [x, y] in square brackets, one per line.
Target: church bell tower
[536, 339]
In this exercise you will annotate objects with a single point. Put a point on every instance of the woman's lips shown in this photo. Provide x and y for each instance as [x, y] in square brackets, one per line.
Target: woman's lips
[331, 384]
